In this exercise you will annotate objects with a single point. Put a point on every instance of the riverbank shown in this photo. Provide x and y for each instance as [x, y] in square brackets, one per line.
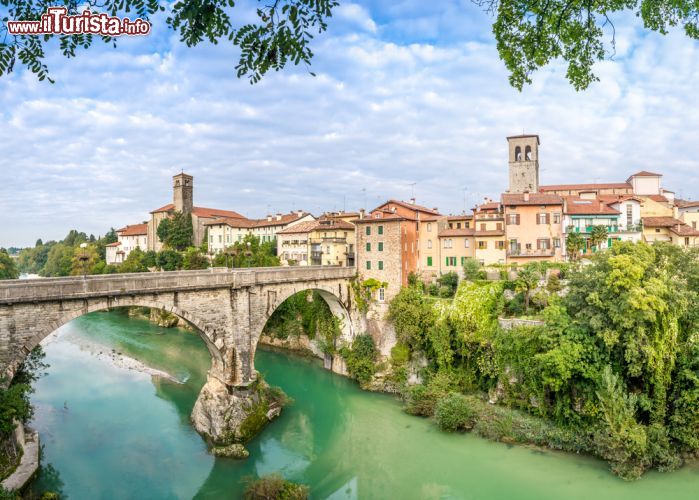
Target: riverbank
[339, 440]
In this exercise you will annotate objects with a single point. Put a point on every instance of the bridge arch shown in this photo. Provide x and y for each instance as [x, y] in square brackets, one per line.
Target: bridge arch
[65, 316]
[335, 295]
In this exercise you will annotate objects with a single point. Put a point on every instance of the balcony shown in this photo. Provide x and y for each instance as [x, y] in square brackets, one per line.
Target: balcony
[517, 252]
[588, 229]
[316, 241]
[634, 228]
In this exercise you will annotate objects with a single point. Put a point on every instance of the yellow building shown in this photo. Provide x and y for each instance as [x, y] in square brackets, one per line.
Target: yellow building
[670, 230]
[323, 242]
[489, 234]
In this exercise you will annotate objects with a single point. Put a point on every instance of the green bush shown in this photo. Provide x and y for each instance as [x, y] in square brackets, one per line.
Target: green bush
[450, 281]
[454, 413]
[361, 358]
[422, 399]
[274, 487]
[472, 269]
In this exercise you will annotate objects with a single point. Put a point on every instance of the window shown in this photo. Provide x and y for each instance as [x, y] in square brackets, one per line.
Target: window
[380, 229]
[450, 261]
[382, 294]
[542, 218]
[543, 244]
[447, 243]
[429, 227]
[380, 265]
[556, 243]
[500, 245]
[368, 247]
[466, 243]
[657, 230]
[368, 264]
[518, 154]
[556, 218]
[499, 226]
[686, 241]
[528, 153]
[629, 215]
[368, 230]
[482, 245]
[429, 243]
[429, 261]
[380, 246]
[458, 225]
[513, 219]
[220, 238]
[451, 226]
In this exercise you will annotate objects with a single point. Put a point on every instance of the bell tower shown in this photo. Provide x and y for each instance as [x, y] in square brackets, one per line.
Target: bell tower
[183, 192]
[524, 163]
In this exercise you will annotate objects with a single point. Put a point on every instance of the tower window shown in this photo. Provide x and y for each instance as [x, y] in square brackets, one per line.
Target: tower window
[528, 153]
[518, 154]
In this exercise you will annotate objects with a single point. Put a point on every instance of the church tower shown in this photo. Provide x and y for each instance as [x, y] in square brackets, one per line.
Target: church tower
[524, 163]
[183, 192]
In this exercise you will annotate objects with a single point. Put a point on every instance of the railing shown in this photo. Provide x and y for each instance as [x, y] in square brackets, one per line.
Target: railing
[588, 229]
[329, 240]
[633, 228]
[550, 252]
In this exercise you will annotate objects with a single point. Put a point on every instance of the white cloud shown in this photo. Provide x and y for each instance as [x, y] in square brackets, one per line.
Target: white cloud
[98, 148]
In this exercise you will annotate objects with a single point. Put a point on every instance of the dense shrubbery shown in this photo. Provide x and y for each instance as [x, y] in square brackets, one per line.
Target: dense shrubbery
[8, 267]
[274, 487]
[614, 371]
[360, 357]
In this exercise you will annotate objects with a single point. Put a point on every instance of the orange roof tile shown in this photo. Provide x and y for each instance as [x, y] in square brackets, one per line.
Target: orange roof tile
[283, 221]
[411, 206]
[658, 198]
[231, 222]
[115, 244]
[467, 231]
[645, 173]
[575, 205]
[205, 213]
[582, 187]
[133, 230]
[514, 199]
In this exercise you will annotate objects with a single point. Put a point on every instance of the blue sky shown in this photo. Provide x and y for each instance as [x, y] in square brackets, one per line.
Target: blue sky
[406, 92]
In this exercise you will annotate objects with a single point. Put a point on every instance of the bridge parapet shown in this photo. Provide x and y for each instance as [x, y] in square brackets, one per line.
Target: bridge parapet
[114, 285]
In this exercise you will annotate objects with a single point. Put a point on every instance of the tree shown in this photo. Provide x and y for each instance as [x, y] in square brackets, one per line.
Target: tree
[574, 244]
[598, 235]
[8, 268]
[529, 34]
[83, 260]
[169, 260]
[134, 263]
[59, 261]
[472, 269]
[281, 34]
[176, 232]
[194, 259]
[527, 280]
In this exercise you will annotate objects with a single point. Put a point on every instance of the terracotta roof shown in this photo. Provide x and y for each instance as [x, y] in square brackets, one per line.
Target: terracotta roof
[645, 173]
[284, 220]
[381, 215]
[493, 205]
[610, 199]
[460, 217]
[582, 187]
[231, 222]
[115, 244]
[657, 197]
[675, 225]
[687, 204]
[465, 231]
[405, 204]
[318, 225]
[493, 232]
[580, 206]
[206, 213]
[133, 230]
[512, 199]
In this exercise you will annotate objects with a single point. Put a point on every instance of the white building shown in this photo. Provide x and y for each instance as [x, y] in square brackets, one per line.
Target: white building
[128, 238]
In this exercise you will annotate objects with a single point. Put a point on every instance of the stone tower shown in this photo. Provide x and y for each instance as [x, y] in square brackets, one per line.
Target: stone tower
[183, 192]
[524, 163]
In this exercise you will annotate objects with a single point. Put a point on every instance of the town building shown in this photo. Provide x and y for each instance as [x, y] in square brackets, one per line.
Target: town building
[128, 238]
[669, 230]
[266, 229]
[322, 242]
[581, 215]
[534, 223]
[183, 201]
[388, 243]
[490, 234]
[457, 243]
[688, 212]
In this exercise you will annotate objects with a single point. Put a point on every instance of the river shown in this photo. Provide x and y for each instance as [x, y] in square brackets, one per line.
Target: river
[112, 432]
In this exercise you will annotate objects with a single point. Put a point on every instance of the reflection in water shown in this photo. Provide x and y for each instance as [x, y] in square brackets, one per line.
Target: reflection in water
[125, 435]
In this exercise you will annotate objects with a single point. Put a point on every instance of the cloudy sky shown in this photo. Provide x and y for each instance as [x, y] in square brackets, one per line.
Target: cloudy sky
[410, 96]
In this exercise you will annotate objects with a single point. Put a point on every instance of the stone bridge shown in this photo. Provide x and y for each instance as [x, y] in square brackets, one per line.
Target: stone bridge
[229, 309]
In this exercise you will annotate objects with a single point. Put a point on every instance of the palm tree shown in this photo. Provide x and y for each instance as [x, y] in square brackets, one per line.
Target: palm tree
[598, 234]
[574, 244]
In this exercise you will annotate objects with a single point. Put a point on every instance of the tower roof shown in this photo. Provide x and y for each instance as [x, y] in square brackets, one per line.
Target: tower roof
[525, 136]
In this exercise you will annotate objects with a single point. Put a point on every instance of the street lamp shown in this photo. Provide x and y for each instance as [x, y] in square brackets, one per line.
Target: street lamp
[248, 253]
[230, 253]
[83, 257]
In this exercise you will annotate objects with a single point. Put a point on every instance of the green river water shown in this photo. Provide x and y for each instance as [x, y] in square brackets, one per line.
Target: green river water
[111, 432]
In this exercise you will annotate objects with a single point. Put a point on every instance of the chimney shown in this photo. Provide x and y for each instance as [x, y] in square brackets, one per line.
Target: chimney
[361, 213]
[435, 209]
[526, 196]
[269, 218]
[412, 201]
[300, 213]
[279, 216]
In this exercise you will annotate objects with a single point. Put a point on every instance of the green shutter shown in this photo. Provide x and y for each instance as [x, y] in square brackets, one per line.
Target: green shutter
[380, 229]
[429, 261]
[368, 264]
[463, 260]
[368, 230]
[380, 265]
[380, 245]
[446, 261]
[368, 247]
